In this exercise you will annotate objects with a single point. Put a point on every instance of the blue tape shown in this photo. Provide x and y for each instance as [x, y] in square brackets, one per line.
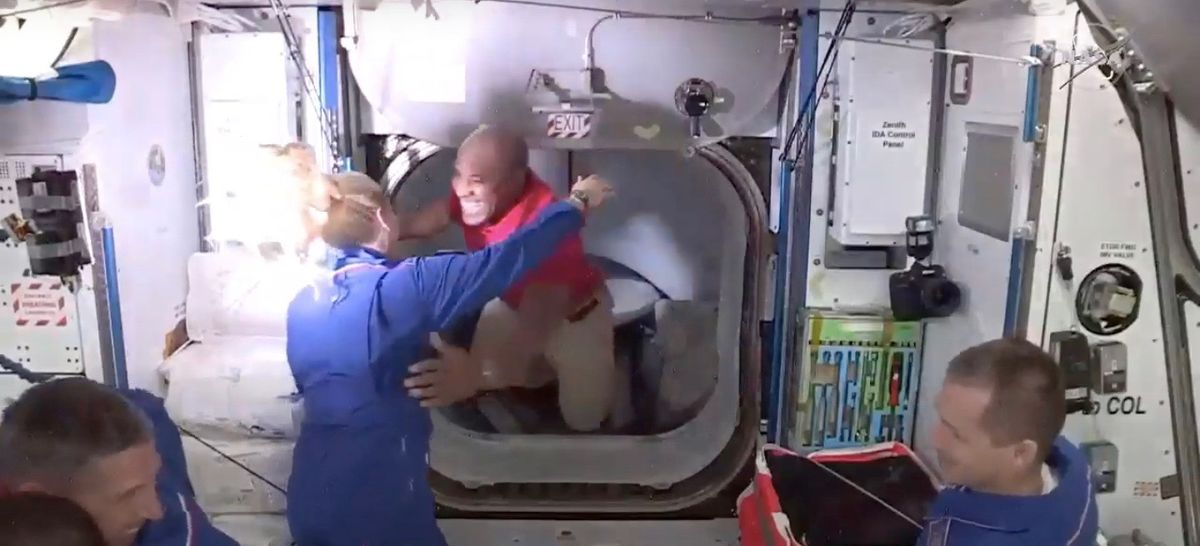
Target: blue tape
[330, 70]
[1032, 90]
[1017, 258]
[779, 368]
[780, 371]
[113, 292]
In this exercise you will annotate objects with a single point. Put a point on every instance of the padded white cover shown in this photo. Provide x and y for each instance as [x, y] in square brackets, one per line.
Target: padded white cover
[686, 343]
[255, 529]
[239, 294]
[233, 387]
[224, 488]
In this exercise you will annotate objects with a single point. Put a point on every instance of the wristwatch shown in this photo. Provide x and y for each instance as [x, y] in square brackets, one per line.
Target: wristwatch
[582, 197]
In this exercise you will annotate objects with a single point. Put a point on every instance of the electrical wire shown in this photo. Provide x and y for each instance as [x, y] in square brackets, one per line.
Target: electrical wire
[1026, 60]
[233, 461]
[707, 17]
[808, 109]
[23, 373]
[868, 494]
[909, 25]
[820, 92]
[308, 83]
[34, 378]
[806, 113]
[66, 47]
[1105, 57]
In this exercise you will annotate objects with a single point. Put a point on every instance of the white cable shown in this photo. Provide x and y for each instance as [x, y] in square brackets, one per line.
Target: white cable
[230, 22]
[1027, 60]
[869, 494]
[909, 25]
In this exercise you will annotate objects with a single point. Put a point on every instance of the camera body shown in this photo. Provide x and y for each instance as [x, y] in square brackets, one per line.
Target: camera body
[923, 290]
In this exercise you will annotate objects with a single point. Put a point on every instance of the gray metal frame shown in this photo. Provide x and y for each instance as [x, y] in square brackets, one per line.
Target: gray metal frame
[1164, 32]
[1177, 273]
[1027, 236]
[491, 532]
[1178, 283]
[203, 218]
[685, 491]
[937, 118]
[93, 220]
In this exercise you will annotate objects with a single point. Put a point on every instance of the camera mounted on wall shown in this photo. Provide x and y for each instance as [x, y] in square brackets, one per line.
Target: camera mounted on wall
[923, 290]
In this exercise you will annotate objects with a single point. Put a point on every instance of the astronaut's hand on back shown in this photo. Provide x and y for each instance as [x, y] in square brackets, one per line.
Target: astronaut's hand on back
[591, 192]
[452, 377]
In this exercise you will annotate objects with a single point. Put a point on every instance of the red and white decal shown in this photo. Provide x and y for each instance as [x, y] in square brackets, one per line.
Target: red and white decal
[39, 304]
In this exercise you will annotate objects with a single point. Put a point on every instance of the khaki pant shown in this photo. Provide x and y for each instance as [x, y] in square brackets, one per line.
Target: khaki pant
[579, 354]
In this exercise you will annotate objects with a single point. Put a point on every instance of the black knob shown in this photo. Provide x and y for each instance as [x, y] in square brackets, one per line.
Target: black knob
[696, 104]
[1063, 262]
[693, 98]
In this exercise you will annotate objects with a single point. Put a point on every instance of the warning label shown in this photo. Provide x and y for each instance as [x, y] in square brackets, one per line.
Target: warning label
[1146, 489]
[1117, 251]
[39, 304]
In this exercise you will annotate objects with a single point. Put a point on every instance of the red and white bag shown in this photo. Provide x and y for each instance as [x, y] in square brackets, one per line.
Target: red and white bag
[870, 496]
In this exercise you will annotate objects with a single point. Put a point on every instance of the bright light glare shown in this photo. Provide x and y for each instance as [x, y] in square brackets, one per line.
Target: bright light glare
[262, 206]
[39, 42]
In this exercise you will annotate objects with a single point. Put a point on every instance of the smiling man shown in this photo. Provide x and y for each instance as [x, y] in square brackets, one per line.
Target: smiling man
[1014, 480]
[557, 323]
[116, 454]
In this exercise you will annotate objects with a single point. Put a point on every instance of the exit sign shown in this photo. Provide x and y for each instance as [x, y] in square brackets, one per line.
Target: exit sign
[569, 125]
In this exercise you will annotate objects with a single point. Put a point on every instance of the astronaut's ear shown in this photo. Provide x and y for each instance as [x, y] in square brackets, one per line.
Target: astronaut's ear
[324, 192]
[303, 155]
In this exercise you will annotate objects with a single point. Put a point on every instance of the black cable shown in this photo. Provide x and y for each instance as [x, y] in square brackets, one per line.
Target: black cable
[821, 80]
[35, 378]
[22, 372]
[808, 127]
[235, 462]
[843, 22]
[66, 46]
[839, 30]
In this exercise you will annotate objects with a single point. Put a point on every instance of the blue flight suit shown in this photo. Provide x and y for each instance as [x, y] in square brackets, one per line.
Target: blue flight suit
[183, 522]
[361, 463]
[1065, 516]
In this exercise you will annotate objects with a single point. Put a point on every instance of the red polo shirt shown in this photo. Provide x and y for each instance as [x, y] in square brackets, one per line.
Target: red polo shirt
[567, 267]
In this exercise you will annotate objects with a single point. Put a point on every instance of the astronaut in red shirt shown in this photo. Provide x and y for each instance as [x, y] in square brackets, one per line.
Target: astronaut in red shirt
[557, 323]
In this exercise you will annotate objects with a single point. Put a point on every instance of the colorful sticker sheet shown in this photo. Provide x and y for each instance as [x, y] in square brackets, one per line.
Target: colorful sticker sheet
[857, 383]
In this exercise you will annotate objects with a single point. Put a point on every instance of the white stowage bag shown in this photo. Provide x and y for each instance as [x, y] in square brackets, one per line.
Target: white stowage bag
[239, 294]
[233, 387]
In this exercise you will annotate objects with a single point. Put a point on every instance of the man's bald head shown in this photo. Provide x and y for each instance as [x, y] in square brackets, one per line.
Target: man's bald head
[507, 146]
[490, 173]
